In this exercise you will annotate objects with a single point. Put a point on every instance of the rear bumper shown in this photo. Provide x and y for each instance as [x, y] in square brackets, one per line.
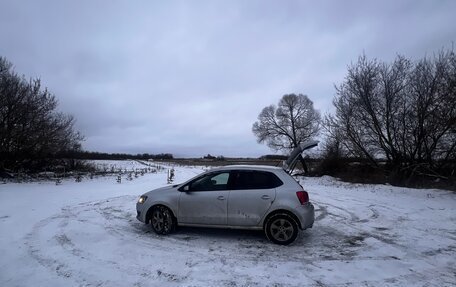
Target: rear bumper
[306, 214]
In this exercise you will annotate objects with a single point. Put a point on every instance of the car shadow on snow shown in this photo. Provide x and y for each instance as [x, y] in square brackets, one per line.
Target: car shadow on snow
[321, 239]
[322, 242]
[189, 234]
[194, 233]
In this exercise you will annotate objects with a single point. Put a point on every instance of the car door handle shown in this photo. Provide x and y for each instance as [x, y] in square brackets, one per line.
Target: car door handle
[265, 197]
[221, 197]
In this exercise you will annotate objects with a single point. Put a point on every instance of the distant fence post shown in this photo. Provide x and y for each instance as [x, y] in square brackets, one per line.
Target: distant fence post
[170, 175]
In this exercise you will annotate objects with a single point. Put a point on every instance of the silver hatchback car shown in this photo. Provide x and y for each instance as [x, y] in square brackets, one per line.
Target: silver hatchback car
[242, 197]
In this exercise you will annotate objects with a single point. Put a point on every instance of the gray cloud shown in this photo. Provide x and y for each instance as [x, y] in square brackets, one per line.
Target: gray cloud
[191, 77]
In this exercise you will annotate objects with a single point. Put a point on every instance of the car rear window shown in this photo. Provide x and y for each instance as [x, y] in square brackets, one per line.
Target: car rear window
[249, 179]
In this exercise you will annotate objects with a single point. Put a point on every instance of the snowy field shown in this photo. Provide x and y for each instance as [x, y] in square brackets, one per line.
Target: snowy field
[86, 234]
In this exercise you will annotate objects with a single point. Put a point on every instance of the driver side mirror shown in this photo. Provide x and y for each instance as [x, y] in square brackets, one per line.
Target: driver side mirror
[186, 188]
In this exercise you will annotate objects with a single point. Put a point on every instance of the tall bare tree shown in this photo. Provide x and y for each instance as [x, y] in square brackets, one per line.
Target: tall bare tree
[292, 122]
[30, 127]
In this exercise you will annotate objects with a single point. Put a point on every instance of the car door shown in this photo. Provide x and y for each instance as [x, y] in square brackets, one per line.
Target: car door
[204, 200]
[251, 196]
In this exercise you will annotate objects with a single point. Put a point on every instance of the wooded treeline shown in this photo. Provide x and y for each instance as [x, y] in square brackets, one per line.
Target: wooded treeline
[397, 119]
[114, 156]
[402, 113]
[31, 128]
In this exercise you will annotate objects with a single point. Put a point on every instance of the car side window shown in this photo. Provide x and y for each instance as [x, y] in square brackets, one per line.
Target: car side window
[246, 179]
[212, 181]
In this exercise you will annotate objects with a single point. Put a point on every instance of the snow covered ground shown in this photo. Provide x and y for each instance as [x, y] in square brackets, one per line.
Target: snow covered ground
[86, 234]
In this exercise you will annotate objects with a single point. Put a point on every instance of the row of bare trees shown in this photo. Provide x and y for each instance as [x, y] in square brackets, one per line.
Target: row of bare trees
[31, 129]
[401, 113]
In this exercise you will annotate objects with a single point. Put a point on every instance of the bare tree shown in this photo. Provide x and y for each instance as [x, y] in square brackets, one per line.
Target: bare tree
[403, 112]
[31, 129]
[292, 122]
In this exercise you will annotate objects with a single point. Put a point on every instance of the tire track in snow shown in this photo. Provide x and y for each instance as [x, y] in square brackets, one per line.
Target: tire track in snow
[39, 242]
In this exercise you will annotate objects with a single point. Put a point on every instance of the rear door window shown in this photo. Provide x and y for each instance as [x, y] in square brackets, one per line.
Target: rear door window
[249, 179]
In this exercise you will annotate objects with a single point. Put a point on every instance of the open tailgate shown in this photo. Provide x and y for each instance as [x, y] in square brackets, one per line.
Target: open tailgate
[290, 163]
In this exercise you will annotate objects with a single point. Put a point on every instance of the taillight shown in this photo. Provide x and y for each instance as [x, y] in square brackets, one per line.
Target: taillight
[303, 196]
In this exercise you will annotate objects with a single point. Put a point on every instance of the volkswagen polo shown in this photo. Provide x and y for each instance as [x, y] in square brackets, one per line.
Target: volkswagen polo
[239, 196]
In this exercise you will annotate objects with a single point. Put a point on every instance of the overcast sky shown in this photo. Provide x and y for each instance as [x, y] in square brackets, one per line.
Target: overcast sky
[191, 77]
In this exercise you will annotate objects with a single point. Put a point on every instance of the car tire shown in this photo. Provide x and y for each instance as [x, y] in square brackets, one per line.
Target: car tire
[281, 229]
[162, 220]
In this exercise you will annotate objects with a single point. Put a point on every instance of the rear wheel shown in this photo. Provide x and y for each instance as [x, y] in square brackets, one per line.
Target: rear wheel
[281, 229]
[162, 220]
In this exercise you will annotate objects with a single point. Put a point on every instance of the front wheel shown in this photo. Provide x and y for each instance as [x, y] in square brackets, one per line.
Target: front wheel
[281, 229]
[162, 220]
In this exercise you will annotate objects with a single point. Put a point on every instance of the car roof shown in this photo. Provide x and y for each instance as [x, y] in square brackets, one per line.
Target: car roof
[248, 167]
